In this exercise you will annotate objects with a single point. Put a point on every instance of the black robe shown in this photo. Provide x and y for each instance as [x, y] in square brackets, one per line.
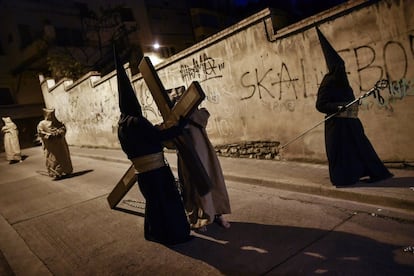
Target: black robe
[350, 153]
[165, 218]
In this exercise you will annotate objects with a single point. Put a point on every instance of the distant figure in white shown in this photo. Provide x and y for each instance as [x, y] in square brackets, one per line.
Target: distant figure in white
[11, 141]
[52, 133]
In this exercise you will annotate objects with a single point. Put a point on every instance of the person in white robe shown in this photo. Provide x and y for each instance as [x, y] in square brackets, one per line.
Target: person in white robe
[209, 208]
[11, 141]
[52, 133]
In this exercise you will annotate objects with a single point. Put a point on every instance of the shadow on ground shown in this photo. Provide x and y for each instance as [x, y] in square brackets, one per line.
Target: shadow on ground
[394, 182]
[79, 173]
[74, 174]
[256, 249]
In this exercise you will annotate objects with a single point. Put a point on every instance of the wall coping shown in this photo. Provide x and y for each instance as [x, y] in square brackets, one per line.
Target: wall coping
[68, 83]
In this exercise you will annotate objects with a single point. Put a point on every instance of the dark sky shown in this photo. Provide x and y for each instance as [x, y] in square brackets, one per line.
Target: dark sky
[298, 9]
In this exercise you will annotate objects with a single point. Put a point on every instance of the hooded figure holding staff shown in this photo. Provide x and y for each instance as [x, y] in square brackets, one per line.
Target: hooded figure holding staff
[165, 218]
[350, 154]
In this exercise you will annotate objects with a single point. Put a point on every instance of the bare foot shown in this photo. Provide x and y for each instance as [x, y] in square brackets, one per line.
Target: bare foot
[220, 220]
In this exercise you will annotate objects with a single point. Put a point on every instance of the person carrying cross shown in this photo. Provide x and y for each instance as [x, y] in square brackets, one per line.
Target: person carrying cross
[165, 218]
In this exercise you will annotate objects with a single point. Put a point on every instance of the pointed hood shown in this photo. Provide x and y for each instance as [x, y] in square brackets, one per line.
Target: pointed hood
[128, 102]
[6, 120]
[333, 60]
[49, 114]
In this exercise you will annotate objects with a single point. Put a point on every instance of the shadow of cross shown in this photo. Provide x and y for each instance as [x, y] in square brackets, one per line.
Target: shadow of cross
[171, 113]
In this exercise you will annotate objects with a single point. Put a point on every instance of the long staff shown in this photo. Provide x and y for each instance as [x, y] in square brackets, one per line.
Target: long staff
[382, 84]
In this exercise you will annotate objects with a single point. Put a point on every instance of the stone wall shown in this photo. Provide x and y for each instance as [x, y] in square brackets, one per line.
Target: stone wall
[251, 149]
[261, 83]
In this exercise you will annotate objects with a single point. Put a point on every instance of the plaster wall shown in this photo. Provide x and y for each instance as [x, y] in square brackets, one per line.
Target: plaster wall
[261, 83]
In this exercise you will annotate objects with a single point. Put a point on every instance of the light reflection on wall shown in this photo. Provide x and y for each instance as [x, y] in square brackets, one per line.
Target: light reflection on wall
[155, 59]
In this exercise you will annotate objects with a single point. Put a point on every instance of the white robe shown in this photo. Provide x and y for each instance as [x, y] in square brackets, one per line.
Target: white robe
[201, 210]
[11, 140]
[56, 150]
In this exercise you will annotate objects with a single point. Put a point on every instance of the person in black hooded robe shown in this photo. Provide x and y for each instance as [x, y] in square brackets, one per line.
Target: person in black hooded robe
[350, 154]
[165, 218]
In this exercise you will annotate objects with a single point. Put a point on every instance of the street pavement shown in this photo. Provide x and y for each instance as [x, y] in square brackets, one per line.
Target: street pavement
[397, 192]
[286, 218]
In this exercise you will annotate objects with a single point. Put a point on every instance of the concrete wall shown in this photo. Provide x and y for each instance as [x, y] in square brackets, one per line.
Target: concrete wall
[261, 83]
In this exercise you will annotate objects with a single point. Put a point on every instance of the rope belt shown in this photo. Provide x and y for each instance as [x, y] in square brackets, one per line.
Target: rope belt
[148, 162]
[349, 113]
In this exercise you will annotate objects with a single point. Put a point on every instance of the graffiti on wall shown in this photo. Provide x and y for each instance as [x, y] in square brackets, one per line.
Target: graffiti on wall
[401, 88]
[147, 102]
[202, 69]
[87, 113]
[256, 84]
[390, 62]
[397, 91]
[280, 86]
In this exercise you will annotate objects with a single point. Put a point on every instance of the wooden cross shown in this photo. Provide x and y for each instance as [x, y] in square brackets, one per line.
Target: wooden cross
[171, 113]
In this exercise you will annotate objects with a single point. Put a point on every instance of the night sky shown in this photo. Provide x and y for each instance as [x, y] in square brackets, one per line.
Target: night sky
[298, 9]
